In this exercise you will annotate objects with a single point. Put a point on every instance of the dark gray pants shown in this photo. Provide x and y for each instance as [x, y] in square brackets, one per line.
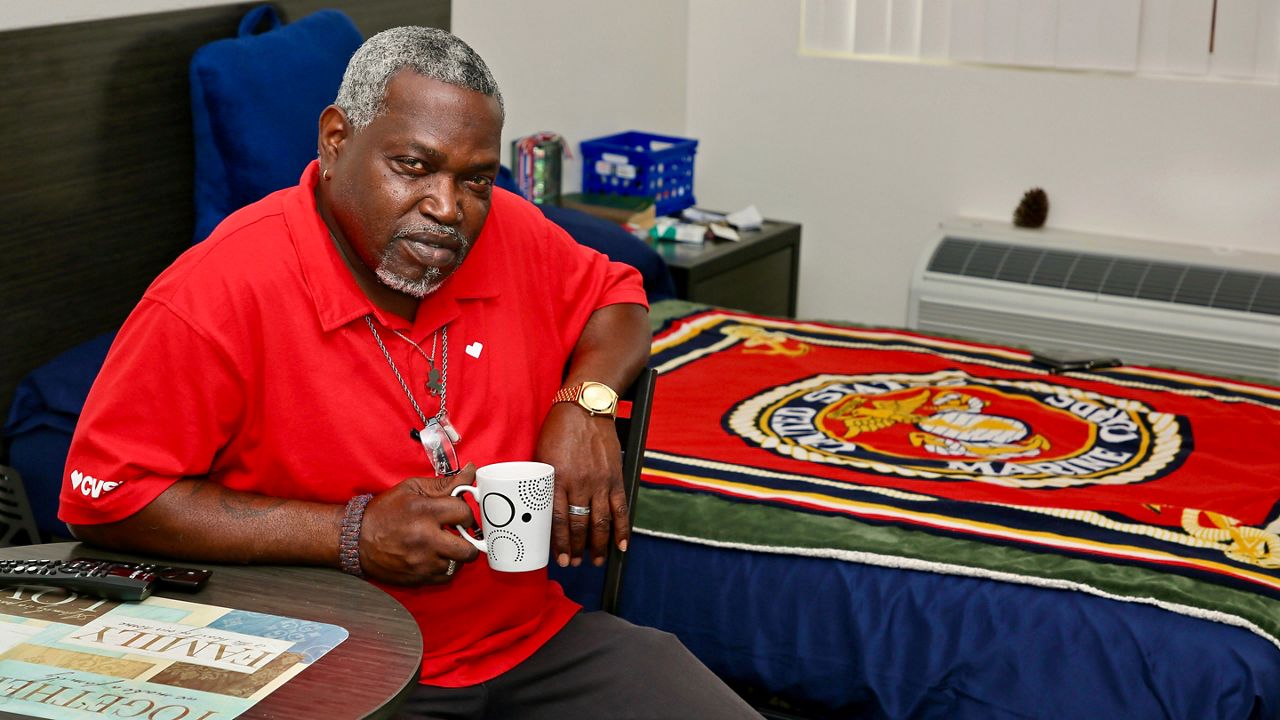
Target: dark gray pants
[598, 667]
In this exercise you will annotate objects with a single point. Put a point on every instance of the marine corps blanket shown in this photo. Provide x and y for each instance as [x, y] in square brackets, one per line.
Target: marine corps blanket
[921, 452]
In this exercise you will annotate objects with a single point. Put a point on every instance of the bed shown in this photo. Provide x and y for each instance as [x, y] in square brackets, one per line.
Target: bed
[875, 523]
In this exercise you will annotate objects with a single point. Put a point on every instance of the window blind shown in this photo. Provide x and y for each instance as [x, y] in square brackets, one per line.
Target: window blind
[1238, 39]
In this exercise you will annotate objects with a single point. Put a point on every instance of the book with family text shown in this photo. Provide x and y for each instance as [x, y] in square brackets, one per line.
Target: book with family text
[64, 655]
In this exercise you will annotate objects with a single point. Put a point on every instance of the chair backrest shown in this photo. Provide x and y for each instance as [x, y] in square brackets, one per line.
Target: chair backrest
[17, 523]
[633, 431]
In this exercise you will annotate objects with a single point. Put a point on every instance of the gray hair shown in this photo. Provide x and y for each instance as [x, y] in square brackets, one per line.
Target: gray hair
[430, 52]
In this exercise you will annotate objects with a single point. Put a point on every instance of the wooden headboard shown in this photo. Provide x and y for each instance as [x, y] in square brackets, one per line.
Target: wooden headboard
[96, 176]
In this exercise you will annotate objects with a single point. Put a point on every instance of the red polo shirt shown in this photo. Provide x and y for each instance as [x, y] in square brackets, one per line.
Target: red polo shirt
[248, 362]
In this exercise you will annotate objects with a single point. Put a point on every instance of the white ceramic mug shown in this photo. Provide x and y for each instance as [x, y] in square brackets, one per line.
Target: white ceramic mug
[515, 514]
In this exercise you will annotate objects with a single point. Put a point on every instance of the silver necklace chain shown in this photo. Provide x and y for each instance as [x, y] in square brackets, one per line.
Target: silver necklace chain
[444, 367]
[435, 378]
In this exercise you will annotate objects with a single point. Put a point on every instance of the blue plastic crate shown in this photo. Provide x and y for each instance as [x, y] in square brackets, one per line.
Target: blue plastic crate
[640, 163]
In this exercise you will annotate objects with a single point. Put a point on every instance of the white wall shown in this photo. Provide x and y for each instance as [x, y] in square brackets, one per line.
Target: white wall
[871, 156]
[582, 68]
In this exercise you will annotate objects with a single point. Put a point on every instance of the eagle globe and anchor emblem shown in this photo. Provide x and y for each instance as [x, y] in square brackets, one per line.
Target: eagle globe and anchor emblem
[950, 425]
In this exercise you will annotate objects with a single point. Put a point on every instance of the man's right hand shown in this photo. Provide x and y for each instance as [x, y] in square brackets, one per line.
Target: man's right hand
[408, 536]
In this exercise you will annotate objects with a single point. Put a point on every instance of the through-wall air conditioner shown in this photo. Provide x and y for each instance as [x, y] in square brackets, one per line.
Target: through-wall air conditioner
[1148, 303]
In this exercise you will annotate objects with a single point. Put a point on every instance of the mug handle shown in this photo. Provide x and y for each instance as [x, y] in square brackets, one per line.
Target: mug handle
[475, 492]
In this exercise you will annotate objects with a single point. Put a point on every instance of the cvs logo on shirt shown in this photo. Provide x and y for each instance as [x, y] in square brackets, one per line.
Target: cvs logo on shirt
[90, 485]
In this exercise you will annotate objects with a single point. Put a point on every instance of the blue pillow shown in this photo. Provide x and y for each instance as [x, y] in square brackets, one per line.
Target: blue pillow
[46, 406]
[608, 238]
[619, 245]
[256, 101]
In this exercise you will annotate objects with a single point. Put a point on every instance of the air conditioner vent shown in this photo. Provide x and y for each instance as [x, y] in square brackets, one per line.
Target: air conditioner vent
[1019, 265]
[1237, 291]
[1125, 277]
[1199, 285]
[1088, 273]
[951, 256]
[1182, 283]
[1146, 302]
[1267, 298]
[1161, 282]
[1053, 269]
[1134, 346]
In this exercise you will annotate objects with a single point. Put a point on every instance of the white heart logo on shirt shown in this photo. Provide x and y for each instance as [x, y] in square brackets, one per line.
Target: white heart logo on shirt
[474, 349]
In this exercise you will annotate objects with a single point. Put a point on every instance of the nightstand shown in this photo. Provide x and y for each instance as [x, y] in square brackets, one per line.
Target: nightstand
[758, 274]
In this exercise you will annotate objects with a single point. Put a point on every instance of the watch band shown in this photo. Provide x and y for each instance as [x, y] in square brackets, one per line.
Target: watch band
[567, 394]
[604, 400]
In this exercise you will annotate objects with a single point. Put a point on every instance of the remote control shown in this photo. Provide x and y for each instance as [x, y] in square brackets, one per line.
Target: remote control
[113, 580]
[168, 577]
[1059, 362]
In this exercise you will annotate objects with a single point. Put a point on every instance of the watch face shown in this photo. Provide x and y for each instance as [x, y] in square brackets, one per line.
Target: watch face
[597, 398]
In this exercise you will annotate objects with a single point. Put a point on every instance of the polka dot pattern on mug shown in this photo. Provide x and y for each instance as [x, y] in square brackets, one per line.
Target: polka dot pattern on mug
[505, 547]
[537, 493]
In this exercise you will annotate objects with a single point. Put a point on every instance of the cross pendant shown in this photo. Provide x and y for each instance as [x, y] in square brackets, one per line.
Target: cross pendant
[434, 386]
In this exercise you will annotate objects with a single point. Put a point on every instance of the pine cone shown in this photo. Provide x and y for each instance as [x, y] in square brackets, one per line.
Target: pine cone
[1033, 210]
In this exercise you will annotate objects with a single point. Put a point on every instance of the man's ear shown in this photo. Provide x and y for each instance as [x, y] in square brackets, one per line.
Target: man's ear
[334, 132]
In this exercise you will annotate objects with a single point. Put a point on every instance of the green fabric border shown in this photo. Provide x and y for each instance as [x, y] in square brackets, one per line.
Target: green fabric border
[698, 516]
[666, 310]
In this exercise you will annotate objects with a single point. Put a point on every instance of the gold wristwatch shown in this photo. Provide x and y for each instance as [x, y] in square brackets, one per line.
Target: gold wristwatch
[596, 398]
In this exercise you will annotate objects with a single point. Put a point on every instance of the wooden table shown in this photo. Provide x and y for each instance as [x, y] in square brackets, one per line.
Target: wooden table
[366, 676]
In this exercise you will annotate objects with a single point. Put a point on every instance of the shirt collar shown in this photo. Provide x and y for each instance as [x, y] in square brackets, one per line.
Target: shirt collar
[339, 300]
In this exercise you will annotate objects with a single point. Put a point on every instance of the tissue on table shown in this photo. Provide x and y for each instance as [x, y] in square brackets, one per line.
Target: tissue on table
[667, 228]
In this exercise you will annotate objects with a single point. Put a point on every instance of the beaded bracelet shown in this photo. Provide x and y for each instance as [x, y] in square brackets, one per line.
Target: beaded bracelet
[349, 544]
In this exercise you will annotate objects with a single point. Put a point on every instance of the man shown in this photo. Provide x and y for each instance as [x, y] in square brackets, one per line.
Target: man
[271, 397]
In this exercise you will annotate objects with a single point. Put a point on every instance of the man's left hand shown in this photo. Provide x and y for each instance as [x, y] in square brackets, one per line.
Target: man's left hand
[588, 460]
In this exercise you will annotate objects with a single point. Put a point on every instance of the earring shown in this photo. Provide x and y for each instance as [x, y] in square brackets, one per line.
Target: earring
[325, 175]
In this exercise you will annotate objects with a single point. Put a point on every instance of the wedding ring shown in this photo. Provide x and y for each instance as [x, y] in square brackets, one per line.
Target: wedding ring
[453, 565]
[579, 509]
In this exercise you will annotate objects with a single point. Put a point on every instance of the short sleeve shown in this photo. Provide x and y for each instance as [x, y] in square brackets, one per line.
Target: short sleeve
[163, 405]
[583, 280]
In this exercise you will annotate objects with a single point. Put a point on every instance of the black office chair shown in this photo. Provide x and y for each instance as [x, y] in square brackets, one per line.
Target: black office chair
[17, 522]
[632, 433]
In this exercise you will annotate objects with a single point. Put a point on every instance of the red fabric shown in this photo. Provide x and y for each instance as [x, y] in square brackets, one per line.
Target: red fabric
[1230, 443]
[248, 361]
[1121, 462]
